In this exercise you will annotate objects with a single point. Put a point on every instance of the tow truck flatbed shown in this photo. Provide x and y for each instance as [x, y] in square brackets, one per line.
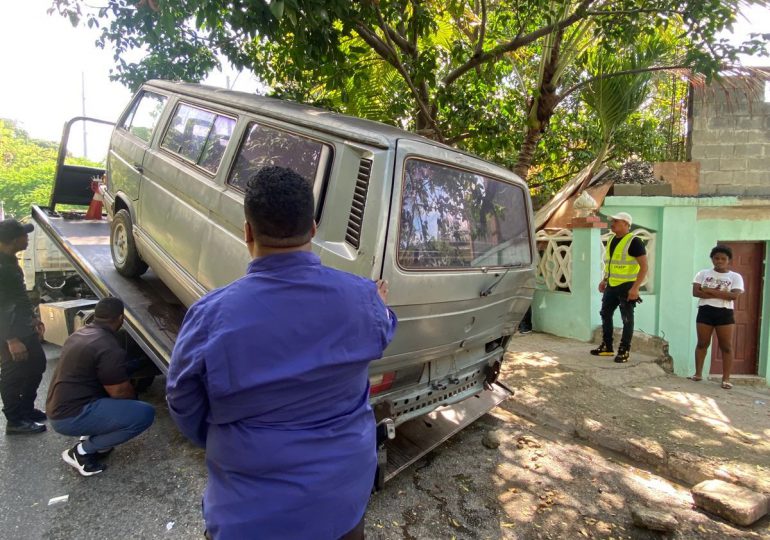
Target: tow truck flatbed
[154, 315]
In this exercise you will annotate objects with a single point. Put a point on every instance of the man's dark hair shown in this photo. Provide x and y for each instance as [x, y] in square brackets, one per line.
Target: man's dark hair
[108, 309]
[722, 249]
[279, 207]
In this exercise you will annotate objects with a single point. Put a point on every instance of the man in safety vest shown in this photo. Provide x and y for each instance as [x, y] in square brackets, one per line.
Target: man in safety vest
[625, 270]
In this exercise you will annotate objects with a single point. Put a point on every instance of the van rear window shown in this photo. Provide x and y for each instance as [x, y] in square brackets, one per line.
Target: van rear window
[264, 146]
[453, 218]
[199, 136]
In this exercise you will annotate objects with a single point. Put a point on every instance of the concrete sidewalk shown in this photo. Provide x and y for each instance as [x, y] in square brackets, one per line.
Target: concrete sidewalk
[688, 431]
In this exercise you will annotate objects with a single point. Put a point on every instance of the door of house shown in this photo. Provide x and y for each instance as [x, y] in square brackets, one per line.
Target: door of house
[748, 260]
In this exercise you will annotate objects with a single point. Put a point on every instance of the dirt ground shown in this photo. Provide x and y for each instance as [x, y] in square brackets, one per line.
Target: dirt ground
[537, 484]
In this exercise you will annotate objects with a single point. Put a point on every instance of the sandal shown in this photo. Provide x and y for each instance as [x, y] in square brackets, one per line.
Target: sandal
[727, 385]
[695, 378]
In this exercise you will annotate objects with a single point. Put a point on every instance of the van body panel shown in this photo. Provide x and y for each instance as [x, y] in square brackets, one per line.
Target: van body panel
[126, 152]
[461, 272]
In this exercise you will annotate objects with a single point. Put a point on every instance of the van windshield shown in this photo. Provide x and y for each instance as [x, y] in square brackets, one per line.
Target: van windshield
[453, 218]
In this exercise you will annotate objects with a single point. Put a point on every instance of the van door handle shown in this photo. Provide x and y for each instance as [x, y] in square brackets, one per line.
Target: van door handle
[138, 168]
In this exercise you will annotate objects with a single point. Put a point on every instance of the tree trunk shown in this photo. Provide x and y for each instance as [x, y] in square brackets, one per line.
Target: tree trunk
[540, 112]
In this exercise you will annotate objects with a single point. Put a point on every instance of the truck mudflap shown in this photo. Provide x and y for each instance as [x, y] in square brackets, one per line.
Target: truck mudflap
[417, 437]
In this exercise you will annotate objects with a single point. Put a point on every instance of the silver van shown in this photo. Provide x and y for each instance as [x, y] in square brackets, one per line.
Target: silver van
[450, 232]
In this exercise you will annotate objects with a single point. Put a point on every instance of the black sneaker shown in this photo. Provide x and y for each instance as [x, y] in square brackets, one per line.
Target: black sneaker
[603, 350]
[622, 356]
[37, 416]
[24, 427]
[86, 465]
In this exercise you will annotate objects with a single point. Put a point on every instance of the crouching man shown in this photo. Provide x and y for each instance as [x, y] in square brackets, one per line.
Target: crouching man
[90, 395]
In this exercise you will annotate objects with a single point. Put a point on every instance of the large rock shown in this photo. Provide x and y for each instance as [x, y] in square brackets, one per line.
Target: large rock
[736, 504]
[492, 439]
[653, 519]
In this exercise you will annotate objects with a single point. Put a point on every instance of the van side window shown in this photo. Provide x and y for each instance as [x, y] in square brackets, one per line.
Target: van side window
[264, 146]
[143, 116]
[198, 136]
[452, 218]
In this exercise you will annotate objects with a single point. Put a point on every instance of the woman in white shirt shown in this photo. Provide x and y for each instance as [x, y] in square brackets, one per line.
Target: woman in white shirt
[716, 290]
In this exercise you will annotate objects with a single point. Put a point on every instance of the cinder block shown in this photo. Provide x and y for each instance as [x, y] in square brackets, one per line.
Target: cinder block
[708, 164]
[732, 164]
[703, 152]
[752, 178]
[736, 504]
[657, 190]
[626, 190]
[730, 189]
[757, 191]
[750, 123]
[722, 122]
[727, 151]
[707, 189]
[750, 150]
[758, 164]
[715, 177]
[701, 137]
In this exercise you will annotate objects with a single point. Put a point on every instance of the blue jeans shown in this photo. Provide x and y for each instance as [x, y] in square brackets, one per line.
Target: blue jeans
[108, 422]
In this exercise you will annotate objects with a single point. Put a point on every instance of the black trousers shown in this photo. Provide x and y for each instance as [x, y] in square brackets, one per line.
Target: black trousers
[613, 298]
[19, 380]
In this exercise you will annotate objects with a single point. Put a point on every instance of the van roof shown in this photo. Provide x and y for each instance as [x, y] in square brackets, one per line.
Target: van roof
[350, 127]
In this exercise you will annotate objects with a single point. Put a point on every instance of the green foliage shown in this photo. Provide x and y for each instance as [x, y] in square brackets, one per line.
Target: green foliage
[486, 75]
[27, 168]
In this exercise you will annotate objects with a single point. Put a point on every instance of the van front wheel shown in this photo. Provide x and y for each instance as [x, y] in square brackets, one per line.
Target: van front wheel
[125, 257]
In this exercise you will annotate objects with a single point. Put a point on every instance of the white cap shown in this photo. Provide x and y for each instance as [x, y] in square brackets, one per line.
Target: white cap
[623, 216]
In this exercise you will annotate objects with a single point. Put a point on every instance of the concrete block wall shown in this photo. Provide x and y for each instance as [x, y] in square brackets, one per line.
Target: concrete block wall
[731, 137]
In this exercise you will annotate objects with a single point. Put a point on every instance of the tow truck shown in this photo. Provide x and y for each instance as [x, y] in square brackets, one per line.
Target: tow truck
[153, 314]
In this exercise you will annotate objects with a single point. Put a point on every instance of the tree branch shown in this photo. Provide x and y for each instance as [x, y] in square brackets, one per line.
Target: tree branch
[600, 13]
[617, 74]
[517, 43]
[388, 52]
[483, 29]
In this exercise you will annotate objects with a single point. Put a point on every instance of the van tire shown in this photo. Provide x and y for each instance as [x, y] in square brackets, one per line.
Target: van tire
[125, 257]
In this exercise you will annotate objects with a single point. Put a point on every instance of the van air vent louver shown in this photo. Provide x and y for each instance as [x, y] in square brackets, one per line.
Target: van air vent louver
[353, 234]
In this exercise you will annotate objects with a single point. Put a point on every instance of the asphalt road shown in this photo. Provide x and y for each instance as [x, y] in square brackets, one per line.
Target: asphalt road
[151, 489]
[536, 484]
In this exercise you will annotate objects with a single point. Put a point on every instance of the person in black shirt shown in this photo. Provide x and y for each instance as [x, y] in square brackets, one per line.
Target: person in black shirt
[22, 360]
[625, 272]
[90, 394]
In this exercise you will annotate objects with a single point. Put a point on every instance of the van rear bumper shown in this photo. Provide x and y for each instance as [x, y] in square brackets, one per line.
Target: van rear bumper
[412, 402]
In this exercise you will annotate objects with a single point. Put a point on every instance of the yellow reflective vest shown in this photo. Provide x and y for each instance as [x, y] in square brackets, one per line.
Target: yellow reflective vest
[621, 267]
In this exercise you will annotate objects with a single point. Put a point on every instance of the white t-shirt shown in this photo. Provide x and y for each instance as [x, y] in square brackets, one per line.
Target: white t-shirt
[728, 281]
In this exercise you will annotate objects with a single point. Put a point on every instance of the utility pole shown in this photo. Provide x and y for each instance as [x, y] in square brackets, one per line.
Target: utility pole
[83, 99]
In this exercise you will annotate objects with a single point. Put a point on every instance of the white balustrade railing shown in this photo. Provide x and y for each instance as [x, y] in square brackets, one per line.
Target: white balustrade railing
[555, 269]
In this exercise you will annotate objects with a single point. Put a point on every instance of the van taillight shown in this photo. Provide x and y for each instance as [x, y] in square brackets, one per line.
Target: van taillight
[380, 383]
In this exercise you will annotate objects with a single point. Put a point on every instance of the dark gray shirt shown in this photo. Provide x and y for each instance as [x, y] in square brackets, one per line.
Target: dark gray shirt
[90, 359]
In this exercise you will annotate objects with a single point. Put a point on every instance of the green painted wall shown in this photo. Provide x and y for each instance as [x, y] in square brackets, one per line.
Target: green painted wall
[687, 228]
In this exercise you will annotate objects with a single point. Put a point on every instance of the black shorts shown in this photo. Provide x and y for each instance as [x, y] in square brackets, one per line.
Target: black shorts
[715, 316]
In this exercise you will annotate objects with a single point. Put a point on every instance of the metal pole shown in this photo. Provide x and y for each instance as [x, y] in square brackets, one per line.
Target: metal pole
[83, 99]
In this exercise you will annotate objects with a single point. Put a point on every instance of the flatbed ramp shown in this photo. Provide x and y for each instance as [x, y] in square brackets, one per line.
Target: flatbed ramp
[154, 315]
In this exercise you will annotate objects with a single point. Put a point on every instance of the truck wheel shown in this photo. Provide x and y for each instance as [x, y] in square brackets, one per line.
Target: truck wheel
[125, 257]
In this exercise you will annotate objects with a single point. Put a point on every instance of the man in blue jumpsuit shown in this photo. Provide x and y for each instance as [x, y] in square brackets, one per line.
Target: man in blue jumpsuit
[270, 375]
